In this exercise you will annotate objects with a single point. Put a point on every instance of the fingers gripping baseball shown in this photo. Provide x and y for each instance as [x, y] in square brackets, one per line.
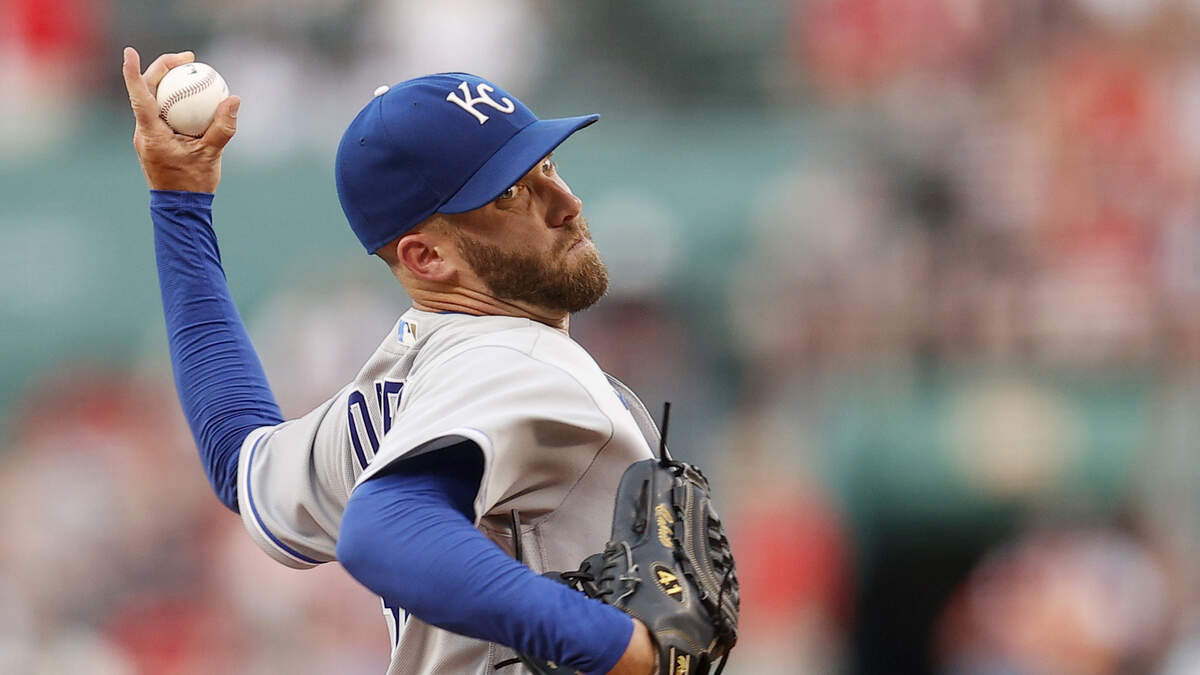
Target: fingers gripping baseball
[142, 87]
[224, 124]
[173, 161]
[157, 70]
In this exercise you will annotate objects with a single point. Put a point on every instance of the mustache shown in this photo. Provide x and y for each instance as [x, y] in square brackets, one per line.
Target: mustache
[578, 228]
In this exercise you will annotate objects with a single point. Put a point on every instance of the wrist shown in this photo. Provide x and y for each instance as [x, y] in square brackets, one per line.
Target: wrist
[181, 183]
[161, 197]
[189, 174]
[200, 202]
[641, 656]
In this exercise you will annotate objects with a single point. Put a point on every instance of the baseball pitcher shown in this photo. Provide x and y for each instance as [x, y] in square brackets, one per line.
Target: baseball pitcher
[478, 431]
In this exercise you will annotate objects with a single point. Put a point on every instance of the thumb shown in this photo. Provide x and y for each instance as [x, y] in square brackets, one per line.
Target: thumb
[224, 124]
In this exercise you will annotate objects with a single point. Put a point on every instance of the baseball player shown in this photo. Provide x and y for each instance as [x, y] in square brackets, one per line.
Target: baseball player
[476, 404]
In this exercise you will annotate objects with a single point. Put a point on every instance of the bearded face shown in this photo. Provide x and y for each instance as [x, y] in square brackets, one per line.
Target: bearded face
[566, 279]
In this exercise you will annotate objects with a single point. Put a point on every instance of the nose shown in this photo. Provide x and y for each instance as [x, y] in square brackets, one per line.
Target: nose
[562, 204]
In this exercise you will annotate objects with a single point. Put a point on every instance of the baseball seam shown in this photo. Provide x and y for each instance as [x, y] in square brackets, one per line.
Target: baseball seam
[190, 90]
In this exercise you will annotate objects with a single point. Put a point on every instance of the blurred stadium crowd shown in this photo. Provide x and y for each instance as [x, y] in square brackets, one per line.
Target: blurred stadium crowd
[942, 361]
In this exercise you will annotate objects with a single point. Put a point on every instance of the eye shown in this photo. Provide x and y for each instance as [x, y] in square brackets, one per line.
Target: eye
[509, 193]
[548, 166]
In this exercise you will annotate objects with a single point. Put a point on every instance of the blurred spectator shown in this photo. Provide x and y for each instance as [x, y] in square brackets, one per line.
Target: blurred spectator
[1080, 601]
[43, 46]
[113, 550]
[302, 339]
[792, 547]
[298, 63]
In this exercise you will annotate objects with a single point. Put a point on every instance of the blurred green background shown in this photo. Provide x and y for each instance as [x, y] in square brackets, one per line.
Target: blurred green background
[922, 279]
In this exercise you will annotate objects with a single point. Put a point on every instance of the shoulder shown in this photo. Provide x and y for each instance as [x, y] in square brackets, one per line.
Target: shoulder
[519, 372]
[492, 343]
[528, 351]
[507, 393]
[509, 363]
[503, 370]
[434, 335]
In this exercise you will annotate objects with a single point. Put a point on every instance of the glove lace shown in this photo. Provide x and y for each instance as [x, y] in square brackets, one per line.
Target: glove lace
[630, 576]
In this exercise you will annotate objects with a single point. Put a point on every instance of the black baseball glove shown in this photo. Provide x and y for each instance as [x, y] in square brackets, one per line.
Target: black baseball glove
[669, 565]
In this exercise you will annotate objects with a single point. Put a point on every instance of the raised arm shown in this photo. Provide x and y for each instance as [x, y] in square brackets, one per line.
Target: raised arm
[220, 381]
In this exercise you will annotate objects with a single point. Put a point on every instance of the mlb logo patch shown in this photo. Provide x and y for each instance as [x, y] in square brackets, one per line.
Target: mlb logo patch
[407, 332]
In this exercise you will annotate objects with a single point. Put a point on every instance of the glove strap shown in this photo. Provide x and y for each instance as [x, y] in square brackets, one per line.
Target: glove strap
[515, 517]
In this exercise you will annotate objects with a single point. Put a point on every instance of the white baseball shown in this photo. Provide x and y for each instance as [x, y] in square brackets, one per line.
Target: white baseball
[188, 96]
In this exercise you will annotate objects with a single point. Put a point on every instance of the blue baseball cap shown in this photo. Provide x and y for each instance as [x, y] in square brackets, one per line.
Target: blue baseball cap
[445, 143]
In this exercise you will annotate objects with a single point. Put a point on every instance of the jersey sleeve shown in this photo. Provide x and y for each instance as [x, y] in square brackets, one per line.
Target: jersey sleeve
[536, 425]
[293, 483]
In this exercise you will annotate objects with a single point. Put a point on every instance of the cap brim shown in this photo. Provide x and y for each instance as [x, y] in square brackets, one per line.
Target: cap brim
[513, 160]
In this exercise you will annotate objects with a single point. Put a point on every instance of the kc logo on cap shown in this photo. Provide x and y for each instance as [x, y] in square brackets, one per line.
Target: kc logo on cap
[484, 90]
[411, 152]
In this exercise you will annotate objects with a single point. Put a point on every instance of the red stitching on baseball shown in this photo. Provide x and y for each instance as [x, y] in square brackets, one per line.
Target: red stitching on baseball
[193, 88]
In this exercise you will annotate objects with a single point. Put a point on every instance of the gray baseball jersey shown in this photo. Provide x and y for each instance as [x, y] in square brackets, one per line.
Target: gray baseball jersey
[556, 434]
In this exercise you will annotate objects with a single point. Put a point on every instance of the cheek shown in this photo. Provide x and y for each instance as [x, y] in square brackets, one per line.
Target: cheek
[533, 238]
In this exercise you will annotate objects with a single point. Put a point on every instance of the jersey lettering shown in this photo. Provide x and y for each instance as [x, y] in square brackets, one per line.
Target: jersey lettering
[668, 582]
[385, 391]
[357, 400]
[387, 396]
[397, 617]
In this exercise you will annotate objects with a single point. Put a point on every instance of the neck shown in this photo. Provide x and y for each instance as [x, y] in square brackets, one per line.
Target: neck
[468, 301]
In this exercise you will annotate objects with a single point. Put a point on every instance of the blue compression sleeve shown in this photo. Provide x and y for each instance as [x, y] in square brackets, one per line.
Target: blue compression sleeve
[221, 384]
[408, 536]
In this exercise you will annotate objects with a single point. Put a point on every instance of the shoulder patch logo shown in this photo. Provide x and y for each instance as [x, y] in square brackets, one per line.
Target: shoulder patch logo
[407, 332]
[668, 581]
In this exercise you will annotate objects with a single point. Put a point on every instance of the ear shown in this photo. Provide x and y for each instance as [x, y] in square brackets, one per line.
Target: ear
[423, 254]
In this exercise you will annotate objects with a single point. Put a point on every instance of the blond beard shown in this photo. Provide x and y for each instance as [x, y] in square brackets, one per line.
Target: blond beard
[556, 283]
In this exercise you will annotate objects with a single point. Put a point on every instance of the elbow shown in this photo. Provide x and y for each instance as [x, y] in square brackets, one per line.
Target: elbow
[375, 551]
[221, 464]
[353, 549]
[228, 494]
[363, 549]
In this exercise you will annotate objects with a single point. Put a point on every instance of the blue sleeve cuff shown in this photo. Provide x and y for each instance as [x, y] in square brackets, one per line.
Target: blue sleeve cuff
[179, 198]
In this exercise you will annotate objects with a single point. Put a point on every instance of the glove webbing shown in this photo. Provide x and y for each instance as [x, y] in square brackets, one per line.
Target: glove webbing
[724, 622]
[722, 565]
